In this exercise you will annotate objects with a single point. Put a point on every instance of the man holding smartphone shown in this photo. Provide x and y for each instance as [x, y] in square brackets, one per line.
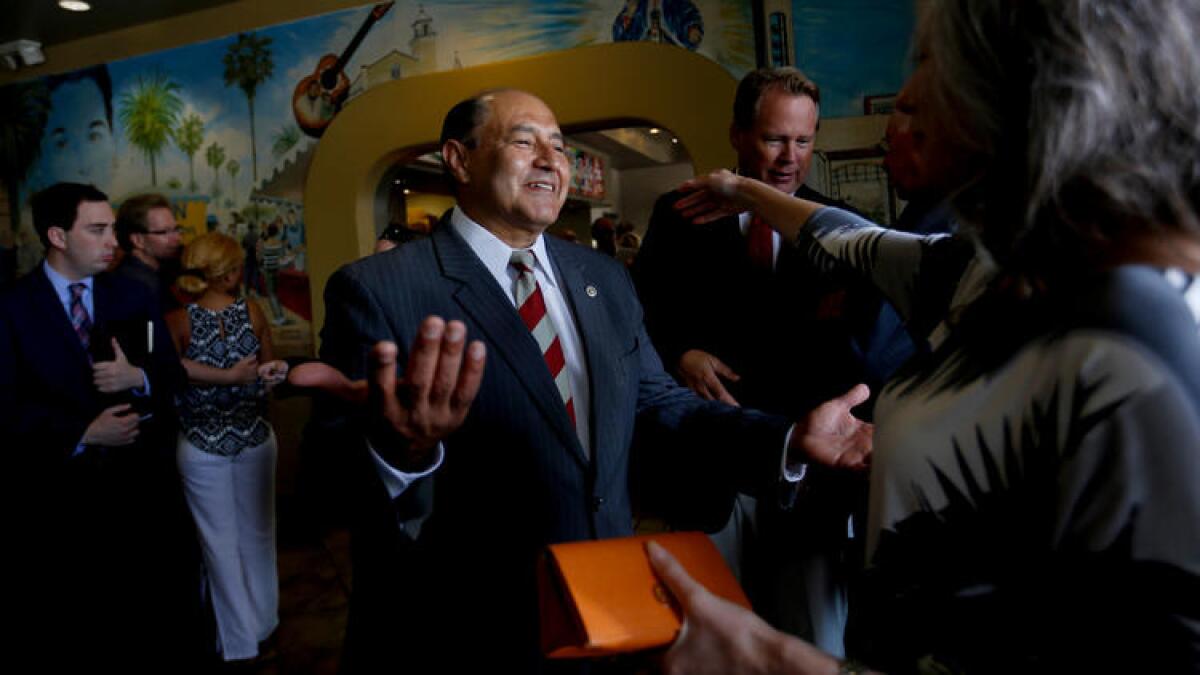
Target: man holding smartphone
[88, 376]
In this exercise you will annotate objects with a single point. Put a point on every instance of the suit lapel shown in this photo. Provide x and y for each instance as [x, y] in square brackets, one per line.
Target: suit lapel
[480, 298]
[582, 291]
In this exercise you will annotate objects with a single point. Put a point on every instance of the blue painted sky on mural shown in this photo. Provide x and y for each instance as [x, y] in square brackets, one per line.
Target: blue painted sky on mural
[852, 48]
[470, 32]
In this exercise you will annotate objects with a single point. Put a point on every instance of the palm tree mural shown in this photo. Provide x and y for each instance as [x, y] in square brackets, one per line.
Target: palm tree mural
[233, 167]
[24, 109]
[215, 156]
[248, 64]
[285, 139]
[149, 113]
[189, 136]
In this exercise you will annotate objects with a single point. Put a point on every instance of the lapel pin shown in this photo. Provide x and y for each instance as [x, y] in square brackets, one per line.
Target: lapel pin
[591, 291]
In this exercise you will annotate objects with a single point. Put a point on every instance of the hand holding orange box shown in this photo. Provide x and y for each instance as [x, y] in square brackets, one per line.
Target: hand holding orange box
[601, 597]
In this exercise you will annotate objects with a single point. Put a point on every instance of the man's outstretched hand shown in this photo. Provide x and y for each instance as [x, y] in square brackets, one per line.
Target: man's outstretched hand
[414, 413]
[832, 436]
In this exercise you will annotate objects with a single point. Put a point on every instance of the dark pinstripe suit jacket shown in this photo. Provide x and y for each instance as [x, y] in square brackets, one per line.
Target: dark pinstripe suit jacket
[515, 477]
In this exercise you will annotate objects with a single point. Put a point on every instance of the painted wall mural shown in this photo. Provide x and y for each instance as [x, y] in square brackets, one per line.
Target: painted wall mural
[226, 128]
[853, 49]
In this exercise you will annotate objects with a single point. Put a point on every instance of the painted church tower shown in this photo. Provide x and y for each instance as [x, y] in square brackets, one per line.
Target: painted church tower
[423, 44]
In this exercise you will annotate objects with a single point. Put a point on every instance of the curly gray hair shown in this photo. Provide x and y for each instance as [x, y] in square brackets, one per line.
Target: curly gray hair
[1082, 116]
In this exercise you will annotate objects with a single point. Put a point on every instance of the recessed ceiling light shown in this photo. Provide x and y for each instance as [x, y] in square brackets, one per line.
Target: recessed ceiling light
[654, 131]
[674, 140]
[74, 5]
[407, 191]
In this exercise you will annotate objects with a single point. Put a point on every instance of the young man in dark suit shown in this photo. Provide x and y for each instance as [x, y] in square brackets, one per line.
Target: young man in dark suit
[87, 380]
[507, 425]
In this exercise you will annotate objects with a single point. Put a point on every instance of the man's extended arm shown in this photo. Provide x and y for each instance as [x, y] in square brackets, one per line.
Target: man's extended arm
[410, 410]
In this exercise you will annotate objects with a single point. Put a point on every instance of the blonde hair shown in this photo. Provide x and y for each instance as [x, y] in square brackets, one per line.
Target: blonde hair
[208, 258]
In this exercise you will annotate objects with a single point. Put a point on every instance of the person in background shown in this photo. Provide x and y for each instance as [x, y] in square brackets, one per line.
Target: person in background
[252, 277]
[106, 555]
[396, 234]
[150, 237]
[604, 236]
[1033, 502]
[272, 256]
[741, 317]
[227, 449]
[922, 171]
[294, 240]
[627, 248]
[8, 257]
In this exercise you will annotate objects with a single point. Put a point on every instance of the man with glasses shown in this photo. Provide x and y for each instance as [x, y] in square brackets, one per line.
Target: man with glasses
[147, 232]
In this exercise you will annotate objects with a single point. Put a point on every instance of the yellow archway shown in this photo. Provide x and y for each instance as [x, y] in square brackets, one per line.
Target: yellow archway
[596, 86]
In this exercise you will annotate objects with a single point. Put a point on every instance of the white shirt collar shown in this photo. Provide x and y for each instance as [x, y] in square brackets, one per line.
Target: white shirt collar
[62, 285]
[494, 253]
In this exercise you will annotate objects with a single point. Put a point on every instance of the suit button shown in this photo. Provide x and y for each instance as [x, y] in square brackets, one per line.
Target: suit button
[597, 502]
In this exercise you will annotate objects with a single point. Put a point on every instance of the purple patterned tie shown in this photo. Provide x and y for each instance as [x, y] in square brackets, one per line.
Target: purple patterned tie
[80, 321]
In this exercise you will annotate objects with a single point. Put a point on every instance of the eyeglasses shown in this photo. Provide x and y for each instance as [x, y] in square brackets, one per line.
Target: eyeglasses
[176, 230]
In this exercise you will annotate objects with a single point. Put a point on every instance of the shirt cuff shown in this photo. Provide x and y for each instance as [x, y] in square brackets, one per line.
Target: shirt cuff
[792, 472]
[397, 481]
[144, 390]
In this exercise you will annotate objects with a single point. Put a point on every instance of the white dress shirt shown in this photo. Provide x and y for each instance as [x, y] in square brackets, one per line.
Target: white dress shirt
[744, 219]
[62, 288]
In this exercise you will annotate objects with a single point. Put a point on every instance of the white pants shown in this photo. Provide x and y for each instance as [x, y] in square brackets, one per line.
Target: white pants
[233, 502]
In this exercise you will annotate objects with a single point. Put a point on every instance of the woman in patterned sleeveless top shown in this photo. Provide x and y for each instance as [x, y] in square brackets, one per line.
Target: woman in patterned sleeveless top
[227, 449]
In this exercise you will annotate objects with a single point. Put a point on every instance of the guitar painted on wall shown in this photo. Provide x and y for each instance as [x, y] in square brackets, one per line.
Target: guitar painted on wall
[319, 96]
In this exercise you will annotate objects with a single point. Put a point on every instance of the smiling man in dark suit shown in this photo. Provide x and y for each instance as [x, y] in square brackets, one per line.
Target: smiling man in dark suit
[740, 316]
[87, 379]
[507, 425]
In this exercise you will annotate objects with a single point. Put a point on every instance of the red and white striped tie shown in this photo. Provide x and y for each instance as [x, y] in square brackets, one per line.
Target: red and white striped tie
[532, 308]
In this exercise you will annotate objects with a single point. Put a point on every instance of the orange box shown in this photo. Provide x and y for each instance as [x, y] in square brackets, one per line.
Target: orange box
[601, 597]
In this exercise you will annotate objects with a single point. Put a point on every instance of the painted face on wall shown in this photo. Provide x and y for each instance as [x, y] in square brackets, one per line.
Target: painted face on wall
[78, 144]
[777, 149]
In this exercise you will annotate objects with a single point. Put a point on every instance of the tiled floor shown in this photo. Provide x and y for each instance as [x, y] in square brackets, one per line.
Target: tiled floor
[314, 590]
